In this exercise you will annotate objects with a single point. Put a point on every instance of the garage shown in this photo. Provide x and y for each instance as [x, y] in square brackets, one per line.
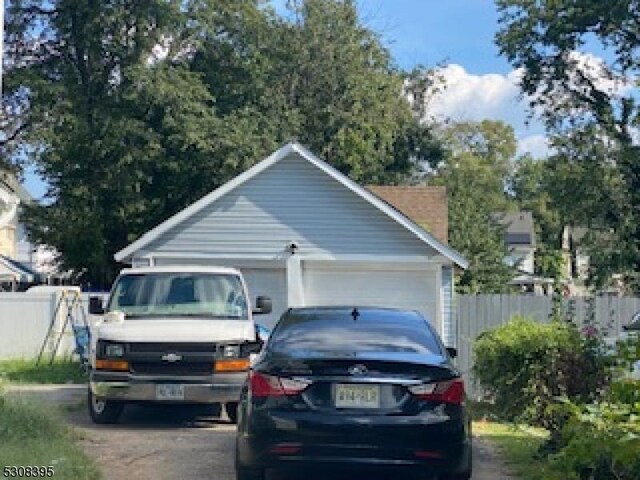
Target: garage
[380, 285]
[304, 234]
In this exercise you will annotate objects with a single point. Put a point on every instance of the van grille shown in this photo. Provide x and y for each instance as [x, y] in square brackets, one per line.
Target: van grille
[178, 368]
[172, 347]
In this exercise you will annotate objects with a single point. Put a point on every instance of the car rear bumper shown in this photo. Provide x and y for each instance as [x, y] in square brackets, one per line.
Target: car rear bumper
[221, 388]
[438, 461]
[411, 443]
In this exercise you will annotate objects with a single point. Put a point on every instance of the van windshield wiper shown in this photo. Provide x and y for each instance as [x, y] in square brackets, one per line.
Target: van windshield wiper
[142, 315]
[185, 314]
[206, 315]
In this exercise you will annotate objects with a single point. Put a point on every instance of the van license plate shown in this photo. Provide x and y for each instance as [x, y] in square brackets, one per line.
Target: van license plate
[169, 391]
[357, 396]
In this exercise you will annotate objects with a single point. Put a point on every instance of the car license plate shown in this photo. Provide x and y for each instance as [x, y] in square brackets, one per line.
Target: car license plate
[169, 391]
[357, 396]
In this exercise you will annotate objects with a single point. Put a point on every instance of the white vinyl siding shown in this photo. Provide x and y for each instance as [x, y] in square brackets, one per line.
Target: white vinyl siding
[291, 201]
[141, 262]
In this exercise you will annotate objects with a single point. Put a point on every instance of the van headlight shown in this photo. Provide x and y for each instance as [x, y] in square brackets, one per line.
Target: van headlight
[231, 351]
[114, 350]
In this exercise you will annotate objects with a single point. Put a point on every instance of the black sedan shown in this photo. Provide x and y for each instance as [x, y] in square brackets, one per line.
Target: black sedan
[354, 387]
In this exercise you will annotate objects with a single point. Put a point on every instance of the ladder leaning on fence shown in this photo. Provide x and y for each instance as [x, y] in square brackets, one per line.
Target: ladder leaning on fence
[69, 302]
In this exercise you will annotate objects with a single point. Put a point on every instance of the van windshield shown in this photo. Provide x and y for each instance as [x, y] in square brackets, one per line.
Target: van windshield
[179, 295]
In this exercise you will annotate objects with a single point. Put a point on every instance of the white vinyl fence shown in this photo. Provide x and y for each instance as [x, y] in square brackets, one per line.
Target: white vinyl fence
[480, 313]
[25, 319]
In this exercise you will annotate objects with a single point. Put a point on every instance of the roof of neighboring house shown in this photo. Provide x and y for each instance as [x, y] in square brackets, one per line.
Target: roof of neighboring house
[528, 279]
[519, 228]
[10, 183]
[13, 270]
[425, 205]
[282, 153]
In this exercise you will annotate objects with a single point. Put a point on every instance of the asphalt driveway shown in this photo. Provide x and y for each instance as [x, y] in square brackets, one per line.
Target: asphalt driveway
[158, 443]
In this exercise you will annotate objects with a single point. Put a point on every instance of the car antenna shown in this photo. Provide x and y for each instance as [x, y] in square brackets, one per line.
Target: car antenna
[355, 313]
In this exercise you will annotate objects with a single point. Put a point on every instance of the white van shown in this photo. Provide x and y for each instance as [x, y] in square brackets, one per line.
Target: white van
[179, 334]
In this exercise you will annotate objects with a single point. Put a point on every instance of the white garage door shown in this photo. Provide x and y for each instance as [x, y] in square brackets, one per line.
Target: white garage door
[328, 284]
[271, 282]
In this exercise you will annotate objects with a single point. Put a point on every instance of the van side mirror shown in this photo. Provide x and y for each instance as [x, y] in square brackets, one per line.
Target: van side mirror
[263, 306]
[95, 306]
[255, 347]
[634, 325]
[452, 351]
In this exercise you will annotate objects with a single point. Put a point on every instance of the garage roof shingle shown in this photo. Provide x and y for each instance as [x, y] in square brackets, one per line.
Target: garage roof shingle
[425, 205]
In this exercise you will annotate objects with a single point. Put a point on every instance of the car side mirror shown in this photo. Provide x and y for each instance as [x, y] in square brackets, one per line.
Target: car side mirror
[452, 351]
[95, 306]
[263, 306]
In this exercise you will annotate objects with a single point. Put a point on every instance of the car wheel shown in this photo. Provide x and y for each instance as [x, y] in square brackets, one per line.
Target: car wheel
[232, 411]
[243, 473]
[103, 411]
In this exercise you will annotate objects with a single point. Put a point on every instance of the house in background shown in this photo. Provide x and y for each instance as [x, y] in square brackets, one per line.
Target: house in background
[576, 261]
[14, 246]
[21, 263]
[304, 234]
[12, 196]
[520, 239]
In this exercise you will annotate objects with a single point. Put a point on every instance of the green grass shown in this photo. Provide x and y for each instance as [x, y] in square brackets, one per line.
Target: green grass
[31, 435]
[517, 445]
[26, 371]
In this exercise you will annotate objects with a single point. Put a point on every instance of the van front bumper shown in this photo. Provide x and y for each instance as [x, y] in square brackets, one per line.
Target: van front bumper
[220, 388]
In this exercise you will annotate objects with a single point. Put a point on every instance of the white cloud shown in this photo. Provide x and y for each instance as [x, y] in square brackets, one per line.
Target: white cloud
[536, 145]
[493, 96]
[468, 97]
[595, 69]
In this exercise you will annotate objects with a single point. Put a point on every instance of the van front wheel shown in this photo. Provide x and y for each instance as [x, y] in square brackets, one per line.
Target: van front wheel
[103, 411]
[232, 411]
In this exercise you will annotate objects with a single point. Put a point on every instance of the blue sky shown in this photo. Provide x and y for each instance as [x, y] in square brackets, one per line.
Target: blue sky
[431, 31]
[428, 32]
[457, 32]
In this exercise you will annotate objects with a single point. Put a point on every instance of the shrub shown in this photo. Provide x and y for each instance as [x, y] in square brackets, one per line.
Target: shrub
[524, 366]
[600, 442]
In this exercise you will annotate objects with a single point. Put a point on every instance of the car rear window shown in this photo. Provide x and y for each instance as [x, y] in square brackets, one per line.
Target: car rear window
[339, 332]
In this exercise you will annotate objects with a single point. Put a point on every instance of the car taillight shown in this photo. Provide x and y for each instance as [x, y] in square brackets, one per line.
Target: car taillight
[450, 391]
[261, 385]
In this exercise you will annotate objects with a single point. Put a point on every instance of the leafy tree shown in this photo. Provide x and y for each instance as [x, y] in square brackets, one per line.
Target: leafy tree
[124, 138]
[592, 191]
[343, 84]
[131, 111]
[474, 171]
[586, 99]
[318, 76]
